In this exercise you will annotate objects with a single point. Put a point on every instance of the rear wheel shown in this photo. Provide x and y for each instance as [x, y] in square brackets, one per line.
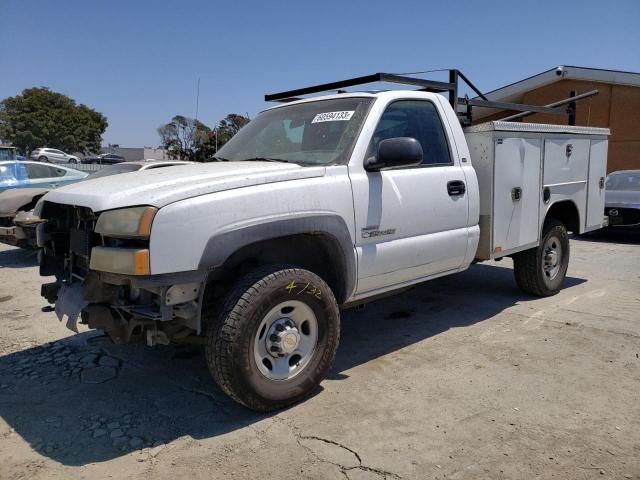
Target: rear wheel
[73, 161]
[273, 340]
[42, 158]
[540, 271]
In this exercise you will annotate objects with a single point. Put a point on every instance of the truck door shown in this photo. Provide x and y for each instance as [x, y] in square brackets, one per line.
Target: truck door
[411, 223]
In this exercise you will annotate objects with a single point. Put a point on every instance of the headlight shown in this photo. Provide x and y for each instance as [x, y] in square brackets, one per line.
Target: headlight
[126, 222]
[129, 261]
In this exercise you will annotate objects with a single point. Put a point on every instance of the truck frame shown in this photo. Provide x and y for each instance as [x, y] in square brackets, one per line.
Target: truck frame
[319, 204]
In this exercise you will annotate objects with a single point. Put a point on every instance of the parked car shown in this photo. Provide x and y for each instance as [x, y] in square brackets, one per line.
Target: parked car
[8, 153]
[622, 200]
[104, 158]
[15, 174]
[17, 220]
[52, 155]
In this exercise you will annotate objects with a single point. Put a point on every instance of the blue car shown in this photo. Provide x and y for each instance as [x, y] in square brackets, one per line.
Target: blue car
[15, 174]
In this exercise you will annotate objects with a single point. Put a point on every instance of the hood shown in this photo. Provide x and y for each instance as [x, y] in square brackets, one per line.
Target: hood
[622, 198]
[11, 200]
[162, 186]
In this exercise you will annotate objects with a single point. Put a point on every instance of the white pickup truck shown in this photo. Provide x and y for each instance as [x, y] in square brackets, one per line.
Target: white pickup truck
[315, 205]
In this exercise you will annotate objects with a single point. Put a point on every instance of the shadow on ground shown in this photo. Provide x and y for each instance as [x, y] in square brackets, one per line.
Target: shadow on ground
[624, 237]
[18, 258]
[83, 400]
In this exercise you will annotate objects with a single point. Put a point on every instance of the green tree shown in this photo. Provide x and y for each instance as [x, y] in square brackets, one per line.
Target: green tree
[229, 126]
[42, 118]
[189, 139]
[184, 137]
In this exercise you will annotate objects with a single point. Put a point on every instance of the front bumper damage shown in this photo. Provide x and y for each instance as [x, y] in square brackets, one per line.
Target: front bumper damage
[157, 308]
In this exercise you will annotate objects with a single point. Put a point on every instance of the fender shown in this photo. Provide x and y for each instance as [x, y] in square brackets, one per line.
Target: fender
[221, 246]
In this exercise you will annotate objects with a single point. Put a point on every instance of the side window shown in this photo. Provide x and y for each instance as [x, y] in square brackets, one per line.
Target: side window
[43, 171]
[418, 119]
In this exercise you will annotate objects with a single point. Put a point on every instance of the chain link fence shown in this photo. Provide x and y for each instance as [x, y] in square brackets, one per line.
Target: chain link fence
[86, 167]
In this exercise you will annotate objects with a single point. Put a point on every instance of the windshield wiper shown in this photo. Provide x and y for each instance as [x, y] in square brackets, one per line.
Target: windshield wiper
[265, 159]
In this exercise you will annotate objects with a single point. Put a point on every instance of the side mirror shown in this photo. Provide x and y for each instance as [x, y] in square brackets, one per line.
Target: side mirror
[396, 153]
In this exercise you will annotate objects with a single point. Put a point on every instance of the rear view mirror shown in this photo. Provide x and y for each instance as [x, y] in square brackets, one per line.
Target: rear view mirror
[396, 153]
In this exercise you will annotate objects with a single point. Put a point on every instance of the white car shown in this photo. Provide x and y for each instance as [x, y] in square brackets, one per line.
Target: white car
[52, 155]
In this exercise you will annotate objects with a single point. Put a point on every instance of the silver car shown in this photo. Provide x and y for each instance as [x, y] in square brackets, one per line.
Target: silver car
[52, 155]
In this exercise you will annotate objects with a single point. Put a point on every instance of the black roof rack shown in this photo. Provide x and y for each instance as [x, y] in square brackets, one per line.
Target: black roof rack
[450, 87]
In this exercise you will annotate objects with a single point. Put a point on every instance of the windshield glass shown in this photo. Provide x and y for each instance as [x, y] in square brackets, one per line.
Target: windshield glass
[314, 133]
[624, 181]
[114, 170]
[7, 154]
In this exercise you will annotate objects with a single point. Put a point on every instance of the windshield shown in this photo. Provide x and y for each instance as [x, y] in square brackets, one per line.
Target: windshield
[314, 133]
[629, 181]
[7, 154]
[114, 170]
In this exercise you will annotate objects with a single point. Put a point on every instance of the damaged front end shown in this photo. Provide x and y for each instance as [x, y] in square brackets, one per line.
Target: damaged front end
[103, 277]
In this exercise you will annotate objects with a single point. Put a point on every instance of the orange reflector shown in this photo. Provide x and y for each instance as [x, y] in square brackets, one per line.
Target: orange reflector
[144, 227]
[141, 262]
[498, 249]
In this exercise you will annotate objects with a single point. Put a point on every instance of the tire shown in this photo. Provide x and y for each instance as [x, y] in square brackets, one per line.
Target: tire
[241, 329]
[43, 159]
[541, 271]
[73, 161]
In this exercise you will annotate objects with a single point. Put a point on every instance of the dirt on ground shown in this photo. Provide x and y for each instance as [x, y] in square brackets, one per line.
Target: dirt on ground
[464, 377]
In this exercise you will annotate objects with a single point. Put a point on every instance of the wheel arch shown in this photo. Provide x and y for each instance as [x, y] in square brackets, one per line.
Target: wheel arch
[319, 243]
[566, 212]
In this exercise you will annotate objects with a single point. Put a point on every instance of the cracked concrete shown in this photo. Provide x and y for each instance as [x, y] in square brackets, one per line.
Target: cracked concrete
[343, 457]
[461, 378]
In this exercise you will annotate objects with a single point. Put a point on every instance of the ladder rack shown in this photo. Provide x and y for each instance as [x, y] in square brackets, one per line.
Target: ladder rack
[465, 104]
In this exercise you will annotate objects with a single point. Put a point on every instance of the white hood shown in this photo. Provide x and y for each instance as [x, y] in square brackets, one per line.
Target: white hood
[161, 186]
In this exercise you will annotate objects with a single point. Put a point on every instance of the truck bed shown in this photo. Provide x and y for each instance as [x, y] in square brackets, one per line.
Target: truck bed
[524, 169]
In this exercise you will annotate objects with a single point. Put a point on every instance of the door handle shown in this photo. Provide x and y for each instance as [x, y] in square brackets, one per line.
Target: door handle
[456, 187]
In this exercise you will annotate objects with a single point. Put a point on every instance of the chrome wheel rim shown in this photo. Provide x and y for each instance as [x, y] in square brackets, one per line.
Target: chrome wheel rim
[551, 257]
[285, 340]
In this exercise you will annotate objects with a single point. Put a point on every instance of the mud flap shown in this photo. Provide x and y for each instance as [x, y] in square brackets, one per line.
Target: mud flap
[70, 303]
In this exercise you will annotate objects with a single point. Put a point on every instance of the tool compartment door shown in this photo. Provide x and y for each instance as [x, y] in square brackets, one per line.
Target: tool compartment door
[566, 161]
[516, 193]
[566, 170]
[595, 189]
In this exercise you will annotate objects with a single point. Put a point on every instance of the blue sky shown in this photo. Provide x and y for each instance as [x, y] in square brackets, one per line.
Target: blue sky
[138, 61]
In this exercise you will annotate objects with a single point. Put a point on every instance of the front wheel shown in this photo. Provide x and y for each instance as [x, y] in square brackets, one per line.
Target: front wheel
[541, 271]
[273, 340]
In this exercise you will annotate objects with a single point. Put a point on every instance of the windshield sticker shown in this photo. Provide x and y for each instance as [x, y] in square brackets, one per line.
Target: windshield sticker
[333, 116]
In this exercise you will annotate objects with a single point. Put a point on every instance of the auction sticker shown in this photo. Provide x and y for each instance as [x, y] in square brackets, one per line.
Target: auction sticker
[333, 116]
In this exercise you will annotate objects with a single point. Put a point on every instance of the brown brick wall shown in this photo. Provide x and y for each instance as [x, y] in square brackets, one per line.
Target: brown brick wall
[616, 107]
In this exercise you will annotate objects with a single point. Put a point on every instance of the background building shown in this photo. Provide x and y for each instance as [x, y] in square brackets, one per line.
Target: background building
[617, 106]
[132, 154]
